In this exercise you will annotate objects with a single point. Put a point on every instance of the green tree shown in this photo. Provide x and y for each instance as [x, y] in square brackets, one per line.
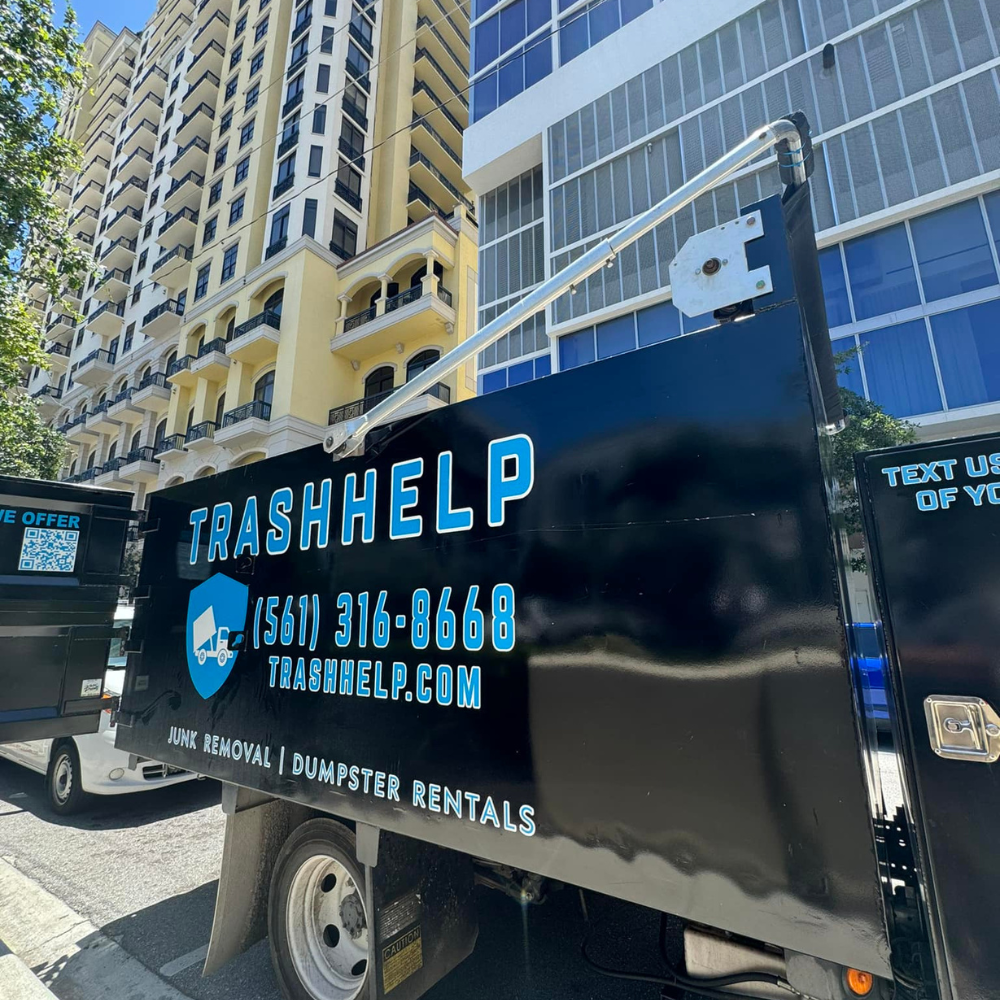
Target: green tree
[40, 62]
[868, 427]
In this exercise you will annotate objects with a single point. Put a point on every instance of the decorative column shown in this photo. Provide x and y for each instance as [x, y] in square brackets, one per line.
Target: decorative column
[383, 295]
[430, 279]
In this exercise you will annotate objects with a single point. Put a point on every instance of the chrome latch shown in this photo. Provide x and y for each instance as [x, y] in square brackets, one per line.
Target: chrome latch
[962, 728]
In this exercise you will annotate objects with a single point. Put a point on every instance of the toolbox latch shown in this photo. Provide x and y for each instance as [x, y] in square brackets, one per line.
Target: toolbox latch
[962, 728]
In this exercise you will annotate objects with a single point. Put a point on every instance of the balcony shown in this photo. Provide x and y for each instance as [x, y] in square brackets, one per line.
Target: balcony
[58, 357]
[152, 394]
[114, 285]
[356, 74]
[138, 164]
[127, 222]
[212, 361]
[140, 466]
[204, 89]
[427, 104]
[256, 339]
[82, 477]
[162, 318]
[282, 186]
[111, 107]
[377, 328]
[130, 194]
[431, 143]
[77, 432]
[108, 473]
[193, 156]
[173, 268]
[433, 41]
[292, 103]
[143, 135]
[211, 57]
[431, 72]
[195, 123]
[354, 156]
[184, 192]
[62, 194]
[107, 320]
[275, 248]
[288, 143]
[85, 221]
[100, 422]
[419, 205]
[47, 399]
[300, 28]
[349, 196]
[179, 372]
[451, 21]
[120, 254]
[156, 79]
[60, 324]
[96, 368]
[439, 186]
[355, 113]
[200, 435]
[244, 424]
[180, 225]
[214, 29]
[124, 410]
[94, 169]
[150, 105]
[89, 196]
[85, 238]
[363, 41]
[436, 396]
[102, 144]
[169, 447]
[119, 85]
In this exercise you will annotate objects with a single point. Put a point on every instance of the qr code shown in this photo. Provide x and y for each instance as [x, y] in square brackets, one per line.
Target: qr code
[49, 550]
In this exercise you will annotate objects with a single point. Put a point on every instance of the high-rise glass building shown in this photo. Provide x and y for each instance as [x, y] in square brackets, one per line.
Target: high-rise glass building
[585, 112]
[273, 194]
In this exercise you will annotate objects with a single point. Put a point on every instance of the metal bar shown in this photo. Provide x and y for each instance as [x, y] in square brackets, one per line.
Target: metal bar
[343, 439]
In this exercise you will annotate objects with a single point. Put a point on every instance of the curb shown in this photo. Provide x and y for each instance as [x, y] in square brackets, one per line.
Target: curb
[17, 980]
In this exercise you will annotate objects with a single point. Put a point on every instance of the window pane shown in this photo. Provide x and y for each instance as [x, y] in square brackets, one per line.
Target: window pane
[537, 59]
[486, 39]
[900, 371]
[968, 349]
[543, 366]
[576, 349]
[603, 20]
[495, 380]
[849, 373]
[520, 373]
[511, 78]
[952, 251]
[831, 268]
[658, 323]
[993, 214]
[309, 217]
[511, 25]
[881, 273]
[616, 336]
[484, 96]
[572, 37]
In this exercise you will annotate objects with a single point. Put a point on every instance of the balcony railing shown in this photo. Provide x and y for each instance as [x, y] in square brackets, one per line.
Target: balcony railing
[267, 318]
[288, 143]
[146, 124]
[133, 181]
[128, 212]
[170, 306]
[340, 251]
[417, 157]
[178, 251]
[147, 453]
[350, 411]
[199, 432]
[439, 105]
[112, 464]
[418, 194]
[422, 53]
[85, 238]
[299, 28]
[174, 442]
[219, 344]
[358, 35]
[282, 186]
[276, 247]
[153, 378]
[213, 46]
[180, 364]
[52, 391]
[142, 153]
[197, 142]
[424, 22]
[123, 241]
[117, 273]
[123, 395]
[404, 298]
[58, 348]
[101, 136]
[356, 156]
[107, 357]
[353, 111]
[85, 476]
[341, 189]
[191, 175]
[444, 295]
[217, 16]
[359, 76]
[152, 71]
[207, 75]
[202, 109]
[419, 122]
[292, 103]
[359, 319]
[96, 185]
[257, 409]
[113, 308]
[184, 213]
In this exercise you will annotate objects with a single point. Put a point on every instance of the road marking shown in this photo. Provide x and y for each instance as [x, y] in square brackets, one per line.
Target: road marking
[184, 962]
[66, 951]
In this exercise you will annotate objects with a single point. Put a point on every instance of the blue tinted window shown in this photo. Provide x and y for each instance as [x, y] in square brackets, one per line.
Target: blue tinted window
[520, 373]
[849, 372]
[511, 25]
[831, 268]
[992, 201]
[953, 253]
[482, 6]
[633, 8]
[658, 323]
[604, 19]
[510, 79]
[968, 350]
[543, 366]
[576, 349]
[484, 96]
[495, 380]
[486, 40]
[537, 59]
[539, 11]
[616, 336]
[900, 370]
[572, 37]
[881, 273]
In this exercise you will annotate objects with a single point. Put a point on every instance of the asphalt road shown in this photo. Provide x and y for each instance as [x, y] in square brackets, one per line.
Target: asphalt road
[142, 869]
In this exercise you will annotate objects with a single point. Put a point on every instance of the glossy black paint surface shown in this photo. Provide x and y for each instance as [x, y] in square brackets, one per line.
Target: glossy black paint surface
[938, 588]
[678, 707]
[56, 627]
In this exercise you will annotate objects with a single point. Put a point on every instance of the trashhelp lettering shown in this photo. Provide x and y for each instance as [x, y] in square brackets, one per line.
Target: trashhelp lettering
[265, 524]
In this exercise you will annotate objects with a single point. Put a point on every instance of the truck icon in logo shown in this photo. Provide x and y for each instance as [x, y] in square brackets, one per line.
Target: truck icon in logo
[217, 614]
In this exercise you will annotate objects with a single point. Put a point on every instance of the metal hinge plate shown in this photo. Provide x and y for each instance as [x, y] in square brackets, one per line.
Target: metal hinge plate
[962, 728]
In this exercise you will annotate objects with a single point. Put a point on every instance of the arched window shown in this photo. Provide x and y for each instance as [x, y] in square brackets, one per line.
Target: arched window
[136, 441]
[220, 409]
[420, 272]
[91, 459]
[420, 362]
[379, 381]
[143, 372]
[273, 303]
[263, 389]
[171, 358]
[391, 291]
[230, 326]
[103, 398]
[72, 467]
[190, 419]
[113, 450]
[161, 433]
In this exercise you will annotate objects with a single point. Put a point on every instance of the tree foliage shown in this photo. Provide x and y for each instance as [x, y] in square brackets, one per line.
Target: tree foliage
[868, 427]
[40, 62]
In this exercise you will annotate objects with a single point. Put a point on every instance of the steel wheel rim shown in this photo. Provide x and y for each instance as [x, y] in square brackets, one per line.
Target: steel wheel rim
[62, 777]
[327, 929]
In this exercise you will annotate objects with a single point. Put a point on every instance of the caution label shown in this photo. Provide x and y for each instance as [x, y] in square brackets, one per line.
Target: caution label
[401, 959]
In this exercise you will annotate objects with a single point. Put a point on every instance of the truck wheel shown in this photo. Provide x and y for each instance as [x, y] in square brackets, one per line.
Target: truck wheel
[317, 917]
[222, 657]
[65, 786]
[202, 656]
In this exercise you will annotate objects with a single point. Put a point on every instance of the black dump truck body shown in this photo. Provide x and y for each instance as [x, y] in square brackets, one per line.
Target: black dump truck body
[61, 550]
[590, 627]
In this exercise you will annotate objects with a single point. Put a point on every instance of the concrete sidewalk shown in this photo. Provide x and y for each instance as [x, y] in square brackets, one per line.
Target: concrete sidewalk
[17, 981]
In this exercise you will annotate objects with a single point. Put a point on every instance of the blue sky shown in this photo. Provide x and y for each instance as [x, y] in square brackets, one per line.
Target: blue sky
[116, 14]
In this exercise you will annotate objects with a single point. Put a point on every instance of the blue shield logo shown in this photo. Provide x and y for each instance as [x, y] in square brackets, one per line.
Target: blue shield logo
[216, 618]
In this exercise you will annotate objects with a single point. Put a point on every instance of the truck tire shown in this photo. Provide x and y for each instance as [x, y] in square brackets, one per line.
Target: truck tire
[65, 784]
[316, 915]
